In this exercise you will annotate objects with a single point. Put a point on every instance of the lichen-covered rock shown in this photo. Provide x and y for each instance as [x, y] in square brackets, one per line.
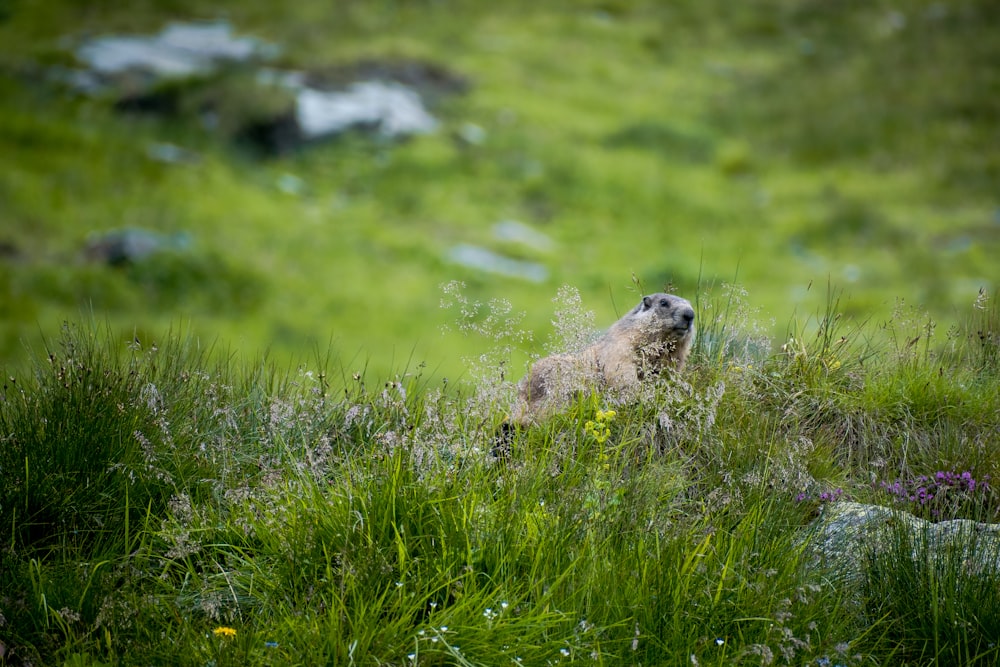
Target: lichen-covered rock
[846, 534]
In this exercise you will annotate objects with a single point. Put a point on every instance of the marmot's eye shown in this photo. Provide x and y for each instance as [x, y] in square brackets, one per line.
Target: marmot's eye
[664, 303]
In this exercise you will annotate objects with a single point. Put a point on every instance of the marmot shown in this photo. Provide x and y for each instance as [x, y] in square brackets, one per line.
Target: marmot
[654, 335]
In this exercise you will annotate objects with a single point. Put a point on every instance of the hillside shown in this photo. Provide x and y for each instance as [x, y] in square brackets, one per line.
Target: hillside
[782, 146]
[159, 507]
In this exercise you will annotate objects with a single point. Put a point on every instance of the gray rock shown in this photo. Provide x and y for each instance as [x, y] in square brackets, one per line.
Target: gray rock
[471, 134]
[845, 535]
[130, 245]
[269, 109]
[179, 50]
[390, 108]
[486, 260]
[291, 184]
[170, 153]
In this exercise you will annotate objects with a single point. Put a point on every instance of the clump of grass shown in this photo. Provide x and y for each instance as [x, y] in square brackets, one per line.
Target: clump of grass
[936, 606]
[79, 470]
[976, 341]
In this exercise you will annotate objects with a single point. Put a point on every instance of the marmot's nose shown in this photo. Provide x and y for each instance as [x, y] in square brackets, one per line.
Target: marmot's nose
[688, 316]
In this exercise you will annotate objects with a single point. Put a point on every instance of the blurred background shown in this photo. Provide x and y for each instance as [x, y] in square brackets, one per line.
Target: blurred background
[306, 178]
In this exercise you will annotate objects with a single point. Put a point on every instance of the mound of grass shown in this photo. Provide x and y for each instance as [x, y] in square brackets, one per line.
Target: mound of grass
[160, 506]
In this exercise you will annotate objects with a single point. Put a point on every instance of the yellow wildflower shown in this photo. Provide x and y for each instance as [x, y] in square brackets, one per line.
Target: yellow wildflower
[598, 427]
[228, 633]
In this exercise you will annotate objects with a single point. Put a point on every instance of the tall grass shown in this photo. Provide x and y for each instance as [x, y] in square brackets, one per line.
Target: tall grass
[159, 508]
[938, 606]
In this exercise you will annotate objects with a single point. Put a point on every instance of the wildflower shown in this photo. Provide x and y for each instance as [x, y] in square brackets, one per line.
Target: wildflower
[943, 493]
[599, 426]
[831, 496]
[223, 631]
[271, 644]
[824, 497]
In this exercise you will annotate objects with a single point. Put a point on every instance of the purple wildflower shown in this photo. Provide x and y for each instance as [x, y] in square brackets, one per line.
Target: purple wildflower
[943, 493]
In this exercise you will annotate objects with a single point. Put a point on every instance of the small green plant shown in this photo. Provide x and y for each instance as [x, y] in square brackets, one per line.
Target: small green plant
[599, 428]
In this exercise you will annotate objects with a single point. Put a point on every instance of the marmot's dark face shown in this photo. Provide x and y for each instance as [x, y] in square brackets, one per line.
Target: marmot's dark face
[670, 312]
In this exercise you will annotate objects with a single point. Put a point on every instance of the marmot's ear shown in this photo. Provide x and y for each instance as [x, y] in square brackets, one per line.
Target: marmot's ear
[646, 302]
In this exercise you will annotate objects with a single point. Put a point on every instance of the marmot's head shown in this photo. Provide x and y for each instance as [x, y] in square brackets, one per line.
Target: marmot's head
[666, 317]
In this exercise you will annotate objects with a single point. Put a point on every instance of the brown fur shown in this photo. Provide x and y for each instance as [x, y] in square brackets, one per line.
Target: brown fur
[655, 335]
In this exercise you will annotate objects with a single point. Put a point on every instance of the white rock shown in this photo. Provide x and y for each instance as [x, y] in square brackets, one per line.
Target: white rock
[180, 49]
[392, 108]
[486, 260]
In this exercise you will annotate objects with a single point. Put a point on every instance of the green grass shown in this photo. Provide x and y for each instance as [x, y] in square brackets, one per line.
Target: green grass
[938, 610]
[779, 145]
[270, 433]
[155, 495]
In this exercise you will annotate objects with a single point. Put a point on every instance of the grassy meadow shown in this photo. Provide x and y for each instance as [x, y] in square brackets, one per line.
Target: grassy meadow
[277, 446]
[779, 145]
